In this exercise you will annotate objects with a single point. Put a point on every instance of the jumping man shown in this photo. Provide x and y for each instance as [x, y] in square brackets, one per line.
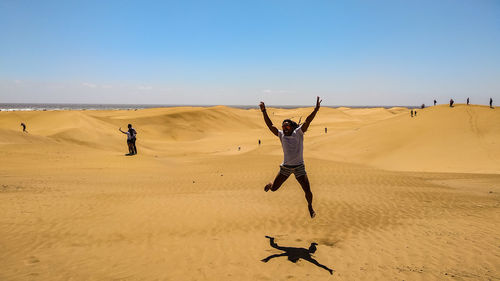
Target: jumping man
[292, 138]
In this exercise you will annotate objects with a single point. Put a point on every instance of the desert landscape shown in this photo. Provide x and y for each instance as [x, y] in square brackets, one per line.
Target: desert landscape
[396, 197]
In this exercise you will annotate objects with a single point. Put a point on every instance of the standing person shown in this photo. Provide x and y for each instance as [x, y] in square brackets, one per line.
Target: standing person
[24, 127]
[411, 113]
[451, 102]
[129, 142]
[415, 113]
[467, 101]
[259, 142]
[326, 130]
[435, 102]
[491, 103]
[292, 142]
[133, 134]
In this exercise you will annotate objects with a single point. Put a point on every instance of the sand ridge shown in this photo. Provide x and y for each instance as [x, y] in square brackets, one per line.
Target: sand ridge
[397, 197]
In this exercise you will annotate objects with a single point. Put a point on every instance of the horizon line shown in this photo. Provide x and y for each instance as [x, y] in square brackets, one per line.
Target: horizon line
[151, 105]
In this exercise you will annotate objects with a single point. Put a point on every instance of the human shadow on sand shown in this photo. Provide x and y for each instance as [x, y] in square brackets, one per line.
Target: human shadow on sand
[294, 254]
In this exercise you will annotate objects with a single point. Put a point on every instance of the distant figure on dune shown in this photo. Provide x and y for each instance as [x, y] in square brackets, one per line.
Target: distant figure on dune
[133, 134]
[451, 102]
[131, 137]
[411, 113]
[467, 101]
[326, 130]
[435, 102]
[259, 142]
[415, 113]
[24, 127]
[491, 103]
[129, 143]
[294, 254]
[292, 142]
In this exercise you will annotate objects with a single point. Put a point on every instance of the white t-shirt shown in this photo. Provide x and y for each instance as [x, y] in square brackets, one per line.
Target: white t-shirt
[293, 147]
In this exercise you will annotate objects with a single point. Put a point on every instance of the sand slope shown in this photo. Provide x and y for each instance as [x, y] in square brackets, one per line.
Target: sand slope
[459, 139]
[397, 198]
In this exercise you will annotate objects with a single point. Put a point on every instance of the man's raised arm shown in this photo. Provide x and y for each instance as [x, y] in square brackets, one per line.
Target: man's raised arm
[268, 121]
[311, 116]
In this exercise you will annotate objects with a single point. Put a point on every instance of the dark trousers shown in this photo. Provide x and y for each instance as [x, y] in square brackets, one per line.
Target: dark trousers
[130, 147]
[134, 148]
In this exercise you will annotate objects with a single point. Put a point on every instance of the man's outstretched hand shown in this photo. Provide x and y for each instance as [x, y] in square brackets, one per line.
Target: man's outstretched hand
[262, 106]
[306, 124]
[268, 121]
[318, 102]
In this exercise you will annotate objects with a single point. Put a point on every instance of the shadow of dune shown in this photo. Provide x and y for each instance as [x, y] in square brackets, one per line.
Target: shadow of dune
[294, 254]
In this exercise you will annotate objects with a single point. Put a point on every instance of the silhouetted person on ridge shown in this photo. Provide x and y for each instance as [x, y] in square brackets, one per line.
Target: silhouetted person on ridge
[411, 113]
[24, 127]
[467, 101]
[294, 254]
[415, 113]
[292, 142]
[451, 102]
[435, 102]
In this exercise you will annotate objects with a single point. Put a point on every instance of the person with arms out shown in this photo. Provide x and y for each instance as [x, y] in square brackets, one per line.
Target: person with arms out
[292, 138]
[133, 138]
[129, 142]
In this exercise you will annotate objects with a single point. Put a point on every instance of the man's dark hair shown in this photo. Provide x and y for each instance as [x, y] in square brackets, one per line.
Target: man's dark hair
[129, 125]
[293, 124]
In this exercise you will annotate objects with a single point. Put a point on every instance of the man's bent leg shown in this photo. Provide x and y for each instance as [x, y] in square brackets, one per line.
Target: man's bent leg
[278, 181]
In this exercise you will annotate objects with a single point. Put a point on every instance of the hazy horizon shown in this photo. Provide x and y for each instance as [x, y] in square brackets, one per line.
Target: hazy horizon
[37, 106]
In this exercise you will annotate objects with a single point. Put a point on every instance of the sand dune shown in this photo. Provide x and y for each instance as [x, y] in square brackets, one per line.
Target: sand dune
[459, 139]
[439, 139]
[397, 198]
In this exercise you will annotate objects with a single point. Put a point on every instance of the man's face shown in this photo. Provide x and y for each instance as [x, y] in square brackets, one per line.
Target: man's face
[287, 128]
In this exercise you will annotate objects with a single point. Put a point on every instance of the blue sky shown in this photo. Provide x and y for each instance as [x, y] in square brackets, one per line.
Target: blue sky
[241, 52]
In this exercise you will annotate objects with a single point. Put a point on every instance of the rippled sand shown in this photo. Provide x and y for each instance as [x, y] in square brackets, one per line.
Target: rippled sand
[397, 198]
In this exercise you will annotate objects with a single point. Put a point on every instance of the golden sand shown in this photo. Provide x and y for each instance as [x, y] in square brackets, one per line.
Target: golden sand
[397, 198]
